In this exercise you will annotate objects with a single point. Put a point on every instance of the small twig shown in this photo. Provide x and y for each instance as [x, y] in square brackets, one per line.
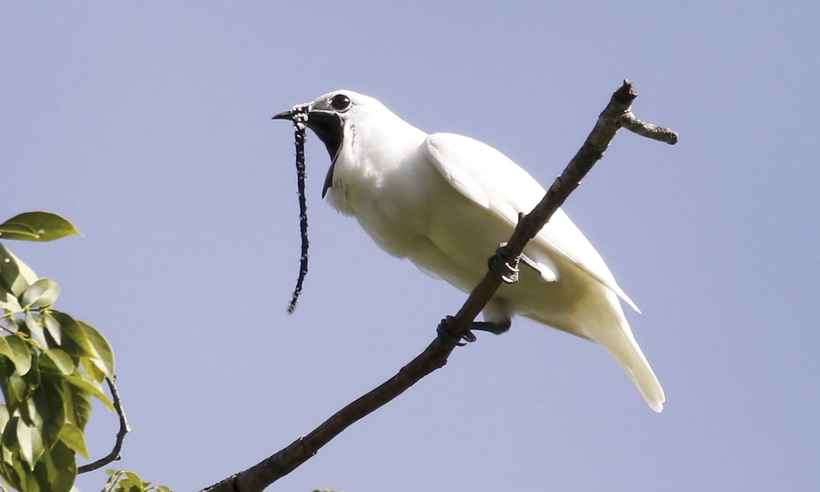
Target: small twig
[648, 130]
[435, 355]
[114, 455]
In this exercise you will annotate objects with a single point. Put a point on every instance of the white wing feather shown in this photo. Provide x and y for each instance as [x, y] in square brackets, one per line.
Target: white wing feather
[490, 179]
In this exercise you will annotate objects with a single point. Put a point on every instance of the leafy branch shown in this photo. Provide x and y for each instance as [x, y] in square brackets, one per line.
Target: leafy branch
[128, 481]
[51, 367]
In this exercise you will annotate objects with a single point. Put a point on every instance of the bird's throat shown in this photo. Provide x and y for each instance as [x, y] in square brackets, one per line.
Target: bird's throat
[330, 130]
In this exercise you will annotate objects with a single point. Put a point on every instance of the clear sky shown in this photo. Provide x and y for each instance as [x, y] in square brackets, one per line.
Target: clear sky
[148, 124]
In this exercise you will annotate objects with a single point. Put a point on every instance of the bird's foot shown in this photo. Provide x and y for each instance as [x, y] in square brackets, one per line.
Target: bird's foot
[444, 332]
[503, 266]
[496, 328]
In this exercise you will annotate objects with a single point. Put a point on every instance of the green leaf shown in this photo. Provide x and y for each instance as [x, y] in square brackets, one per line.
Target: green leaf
[48, 400]
[53, 327]
[73, 437]
[57, 470]
[8, 455]
[5, 348]
[42, 293]
[9, 303]
[21, 389]
[62, 361]
[35, 329]
[37, 226]
[128, 481]
[91, 388]
[28, 413]
[32, 377]
[27, 484]
[124, 481]
[8, 471]
[91, 367]
[5, 416]
[15, 276]
[77, 405]
[15, 390]
[74, 340]
[9, 353]
[101, 348]
[10, 434]
[80, 338]
[20, 353]
[13, 472]
[31, 443]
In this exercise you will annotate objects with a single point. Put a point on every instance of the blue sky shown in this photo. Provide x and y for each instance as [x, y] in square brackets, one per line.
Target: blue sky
[148, 125]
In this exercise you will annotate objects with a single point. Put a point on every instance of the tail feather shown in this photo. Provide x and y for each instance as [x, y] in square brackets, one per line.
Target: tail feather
[629, 355]
[608, 326]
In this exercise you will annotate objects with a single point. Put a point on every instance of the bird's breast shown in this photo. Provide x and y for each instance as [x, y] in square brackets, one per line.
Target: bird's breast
[388, 193]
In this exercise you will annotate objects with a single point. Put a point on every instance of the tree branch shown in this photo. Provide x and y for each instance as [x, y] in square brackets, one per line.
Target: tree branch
[616, 114]
[648, 130]
[114, 455]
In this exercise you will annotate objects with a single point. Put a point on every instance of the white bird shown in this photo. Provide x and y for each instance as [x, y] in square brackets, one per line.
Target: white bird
[445, 202]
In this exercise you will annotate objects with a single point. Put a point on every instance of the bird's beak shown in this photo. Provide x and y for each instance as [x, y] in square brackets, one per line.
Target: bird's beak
[291, 113]
[327, 125]
[284, 115]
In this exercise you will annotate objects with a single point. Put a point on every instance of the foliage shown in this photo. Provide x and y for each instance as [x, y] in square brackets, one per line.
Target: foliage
[128, 481]
[51, 367]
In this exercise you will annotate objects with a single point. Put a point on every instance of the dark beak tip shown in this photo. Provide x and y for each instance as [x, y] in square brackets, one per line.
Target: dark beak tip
[292, 113]
[284, 115]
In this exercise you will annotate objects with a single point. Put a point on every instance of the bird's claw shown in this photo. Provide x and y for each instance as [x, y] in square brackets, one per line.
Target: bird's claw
[443, 331]
[503, 266]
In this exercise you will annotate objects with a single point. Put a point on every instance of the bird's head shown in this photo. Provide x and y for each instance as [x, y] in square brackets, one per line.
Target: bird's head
[330, 116]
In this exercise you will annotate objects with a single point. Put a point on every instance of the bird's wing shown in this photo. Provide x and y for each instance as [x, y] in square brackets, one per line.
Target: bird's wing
[493, 181]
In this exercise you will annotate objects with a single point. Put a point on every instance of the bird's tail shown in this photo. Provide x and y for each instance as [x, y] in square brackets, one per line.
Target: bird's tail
[627, 352]
[616, 336]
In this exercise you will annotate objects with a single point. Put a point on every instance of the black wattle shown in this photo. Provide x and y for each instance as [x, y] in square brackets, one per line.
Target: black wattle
[330, 130]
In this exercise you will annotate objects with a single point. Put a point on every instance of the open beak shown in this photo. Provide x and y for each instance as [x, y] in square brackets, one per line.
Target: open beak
[284, 115]
[288, 115]
[328, 126]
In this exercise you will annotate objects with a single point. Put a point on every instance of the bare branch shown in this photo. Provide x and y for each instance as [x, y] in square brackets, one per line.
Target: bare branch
[616, 114]
[114, 455]
[648, 130]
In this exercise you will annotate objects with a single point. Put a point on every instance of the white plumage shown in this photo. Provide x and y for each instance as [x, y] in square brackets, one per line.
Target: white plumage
[446, 201]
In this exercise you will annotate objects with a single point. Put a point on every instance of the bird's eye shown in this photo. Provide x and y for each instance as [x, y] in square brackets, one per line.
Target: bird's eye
[340, 102]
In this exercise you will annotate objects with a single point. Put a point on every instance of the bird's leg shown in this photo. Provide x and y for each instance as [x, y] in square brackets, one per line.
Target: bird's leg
[494, 327]
[506, 267]
[503, 265]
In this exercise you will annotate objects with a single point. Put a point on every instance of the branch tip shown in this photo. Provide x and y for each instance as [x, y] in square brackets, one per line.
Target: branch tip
[626, 93]
[648, 130]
